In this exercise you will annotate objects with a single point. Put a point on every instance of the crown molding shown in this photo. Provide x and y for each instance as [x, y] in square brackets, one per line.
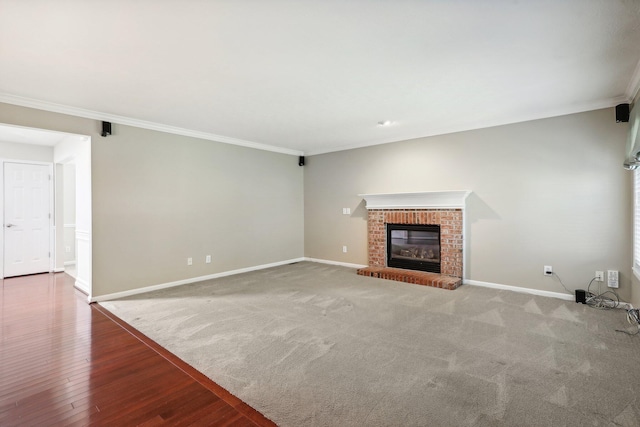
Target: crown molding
[128, 121]
[547, 114]
[631, 92]
[634, 84]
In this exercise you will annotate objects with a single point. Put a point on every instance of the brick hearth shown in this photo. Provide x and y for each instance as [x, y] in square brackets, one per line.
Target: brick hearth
[410, 276]
[451, 245]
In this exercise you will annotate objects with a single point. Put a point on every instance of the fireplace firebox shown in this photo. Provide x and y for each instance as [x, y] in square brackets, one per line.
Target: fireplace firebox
[414, 247]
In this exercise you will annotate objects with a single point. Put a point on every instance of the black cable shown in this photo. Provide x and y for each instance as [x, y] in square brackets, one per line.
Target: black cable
[600, 300]
[603, 302]
[559, 279]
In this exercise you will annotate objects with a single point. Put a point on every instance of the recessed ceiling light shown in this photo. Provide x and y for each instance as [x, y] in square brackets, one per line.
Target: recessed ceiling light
[385, 123]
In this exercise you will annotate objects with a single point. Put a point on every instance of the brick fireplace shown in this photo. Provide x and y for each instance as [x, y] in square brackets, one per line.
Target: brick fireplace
[445, 209]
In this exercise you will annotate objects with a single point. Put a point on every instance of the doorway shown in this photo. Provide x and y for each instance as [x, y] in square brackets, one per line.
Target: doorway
[27, 218]
[20, 144]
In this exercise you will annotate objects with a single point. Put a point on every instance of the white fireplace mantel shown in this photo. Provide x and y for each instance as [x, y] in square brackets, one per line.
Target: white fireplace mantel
[423, 200]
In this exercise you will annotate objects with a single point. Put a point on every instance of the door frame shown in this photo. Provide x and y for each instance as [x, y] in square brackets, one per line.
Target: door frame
[52, 196]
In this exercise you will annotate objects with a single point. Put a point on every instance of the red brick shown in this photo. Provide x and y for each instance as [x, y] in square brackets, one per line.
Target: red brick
[415, 277]
[451, 233]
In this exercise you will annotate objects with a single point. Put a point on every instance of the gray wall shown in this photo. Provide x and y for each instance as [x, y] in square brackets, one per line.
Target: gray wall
[159, 198]
[546, 192]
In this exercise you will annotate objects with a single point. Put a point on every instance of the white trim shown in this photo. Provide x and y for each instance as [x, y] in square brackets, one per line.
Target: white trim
[559, 295]
[634, 84]
[83, 273]
[568, 297]
[69, 226]
[483, 124]
[83, 234]
[52, 217]
[83, 287]
[58, 270]
[97, 115]
[28, 162]
[632, 89]
[327, 261]
[137, 291]
[423, 200]
[66, 263]
[518, 289]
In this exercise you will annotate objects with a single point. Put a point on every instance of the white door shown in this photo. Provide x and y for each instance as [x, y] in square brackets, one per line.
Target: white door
[26, 219]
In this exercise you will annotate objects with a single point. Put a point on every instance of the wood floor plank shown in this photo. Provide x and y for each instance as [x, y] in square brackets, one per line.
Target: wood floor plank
[65, 362]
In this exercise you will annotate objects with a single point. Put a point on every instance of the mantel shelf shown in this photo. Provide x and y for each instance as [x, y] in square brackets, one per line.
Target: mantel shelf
[422, 200]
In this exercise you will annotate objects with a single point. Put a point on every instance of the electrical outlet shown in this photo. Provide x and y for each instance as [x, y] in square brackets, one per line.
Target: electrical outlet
[599, 276]
[548, 270]
[67, 249]
[189, 261]
[344, 249]
[208, 259]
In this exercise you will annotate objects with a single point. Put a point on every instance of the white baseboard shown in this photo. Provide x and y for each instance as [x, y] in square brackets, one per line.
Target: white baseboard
[58, 270]
[559, 295]
[326, 261]
[66, 263]
[82, 287]
[131, 292]
[568, 297]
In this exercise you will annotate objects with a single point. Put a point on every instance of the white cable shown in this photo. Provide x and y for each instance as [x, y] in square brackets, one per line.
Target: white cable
[633, 317]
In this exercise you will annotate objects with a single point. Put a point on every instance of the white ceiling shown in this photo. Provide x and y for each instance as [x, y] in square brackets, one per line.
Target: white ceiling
[314, 76]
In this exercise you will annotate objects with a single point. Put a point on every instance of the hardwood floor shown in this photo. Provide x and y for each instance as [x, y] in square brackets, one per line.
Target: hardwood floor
[64, 362]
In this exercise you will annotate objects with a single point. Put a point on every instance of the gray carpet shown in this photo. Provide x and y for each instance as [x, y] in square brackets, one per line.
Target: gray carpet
[316, 345]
